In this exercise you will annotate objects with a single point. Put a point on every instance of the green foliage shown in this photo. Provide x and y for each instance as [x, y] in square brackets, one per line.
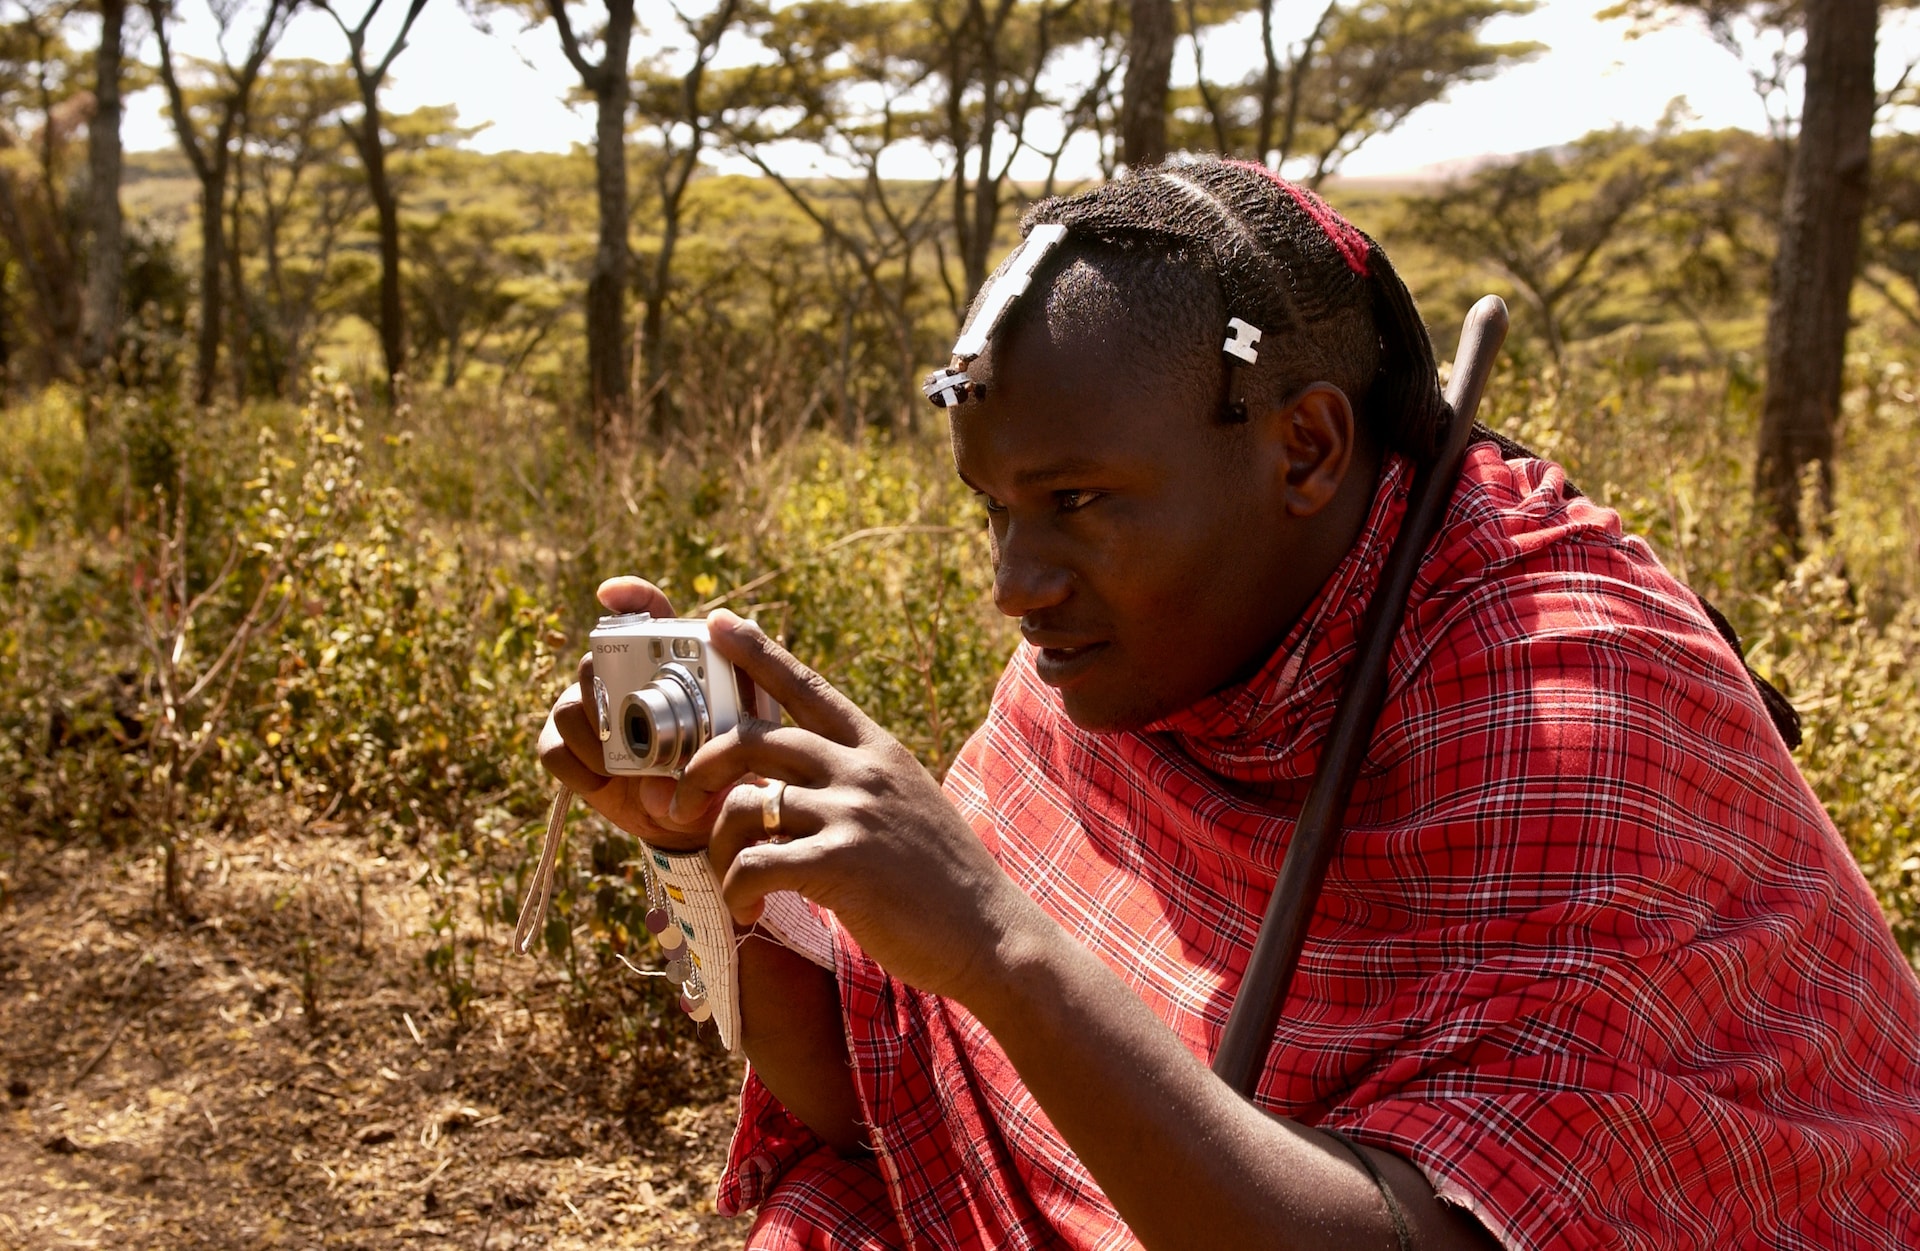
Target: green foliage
[436, 602]
[1361, 71]
[1617, 228]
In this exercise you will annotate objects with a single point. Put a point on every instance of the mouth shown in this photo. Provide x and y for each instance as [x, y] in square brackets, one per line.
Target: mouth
[1059, 666]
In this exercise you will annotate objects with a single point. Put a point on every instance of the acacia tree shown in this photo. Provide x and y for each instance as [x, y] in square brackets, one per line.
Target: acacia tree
[305, 196]
[847, 81]
[681, 109]
[609, 81]
[474, 278]
[1553, 223]
[41, 108]
[1359, 73]
[370, 141]
[1827, 183]
[1143, 94]
[1666, 216]
[989, 63]
[209, 135]
[104, 220]
[855, 82]
[1891, 237]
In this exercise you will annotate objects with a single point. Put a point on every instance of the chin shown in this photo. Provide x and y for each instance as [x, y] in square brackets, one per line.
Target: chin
[1110, 712]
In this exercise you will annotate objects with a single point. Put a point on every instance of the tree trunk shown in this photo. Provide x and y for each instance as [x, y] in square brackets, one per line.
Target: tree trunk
[609, 384]
[1143, 93]
[239, 310]
[653, 365]
[104, 221]
[1819, 255]
[6, 332]
[213, 255]
[386, 205]
[653, 314]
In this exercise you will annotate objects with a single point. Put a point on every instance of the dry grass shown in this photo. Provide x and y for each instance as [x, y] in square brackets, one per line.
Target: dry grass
[280, 1071]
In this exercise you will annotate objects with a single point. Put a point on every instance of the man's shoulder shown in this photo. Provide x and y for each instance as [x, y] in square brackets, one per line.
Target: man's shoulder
[1535, 608]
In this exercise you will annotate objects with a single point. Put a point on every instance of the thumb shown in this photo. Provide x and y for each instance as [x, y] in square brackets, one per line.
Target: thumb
[627, 593]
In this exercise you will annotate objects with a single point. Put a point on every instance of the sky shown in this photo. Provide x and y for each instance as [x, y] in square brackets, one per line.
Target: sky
[515, 81]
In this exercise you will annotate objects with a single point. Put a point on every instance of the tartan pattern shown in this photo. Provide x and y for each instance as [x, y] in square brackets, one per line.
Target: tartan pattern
[825, 1203]
[1590, 952]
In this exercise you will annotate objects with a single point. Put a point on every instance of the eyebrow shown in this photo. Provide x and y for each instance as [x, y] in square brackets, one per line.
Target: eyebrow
[1071, 467]
[1066, 469]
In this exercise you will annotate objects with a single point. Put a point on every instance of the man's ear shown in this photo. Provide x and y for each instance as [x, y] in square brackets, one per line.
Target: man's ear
[1313, 433]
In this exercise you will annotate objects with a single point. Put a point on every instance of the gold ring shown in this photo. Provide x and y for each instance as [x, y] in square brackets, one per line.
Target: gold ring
[770, 806]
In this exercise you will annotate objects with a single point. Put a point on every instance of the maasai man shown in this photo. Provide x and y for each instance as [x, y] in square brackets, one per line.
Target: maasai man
[1591, 968]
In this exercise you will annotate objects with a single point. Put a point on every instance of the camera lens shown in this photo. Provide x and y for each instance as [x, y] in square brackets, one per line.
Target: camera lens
[665, 721]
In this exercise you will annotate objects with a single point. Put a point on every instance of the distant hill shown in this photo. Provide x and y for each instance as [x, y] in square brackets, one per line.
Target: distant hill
[1421, 177]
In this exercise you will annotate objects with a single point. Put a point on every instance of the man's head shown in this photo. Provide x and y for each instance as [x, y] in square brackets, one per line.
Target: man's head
[1159, 518]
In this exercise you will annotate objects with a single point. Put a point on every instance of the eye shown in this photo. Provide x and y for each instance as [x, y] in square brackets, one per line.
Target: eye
[993, 506]
[1074, 501]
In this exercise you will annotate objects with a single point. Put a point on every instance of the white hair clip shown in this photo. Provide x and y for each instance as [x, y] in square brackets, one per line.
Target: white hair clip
[1007, 287]
[948, 387]
[1240, 342]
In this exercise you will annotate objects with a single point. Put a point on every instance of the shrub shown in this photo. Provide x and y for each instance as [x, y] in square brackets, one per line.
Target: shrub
[438, 578]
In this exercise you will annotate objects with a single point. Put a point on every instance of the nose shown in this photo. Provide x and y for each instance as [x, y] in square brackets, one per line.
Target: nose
[1025, 578]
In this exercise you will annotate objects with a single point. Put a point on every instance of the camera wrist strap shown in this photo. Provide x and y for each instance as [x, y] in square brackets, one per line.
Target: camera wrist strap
[533, 909]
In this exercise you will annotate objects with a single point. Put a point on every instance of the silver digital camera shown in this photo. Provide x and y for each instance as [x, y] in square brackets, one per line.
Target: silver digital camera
[661, 692]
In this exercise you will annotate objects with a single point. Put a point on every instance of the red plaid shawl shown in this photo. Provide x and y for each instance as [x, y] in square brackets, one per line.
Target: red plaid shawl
[1590, 954]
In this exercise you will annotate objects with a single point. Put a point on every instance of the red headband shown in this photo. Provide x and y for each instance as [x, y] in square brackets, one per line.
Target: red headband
[1345, 237]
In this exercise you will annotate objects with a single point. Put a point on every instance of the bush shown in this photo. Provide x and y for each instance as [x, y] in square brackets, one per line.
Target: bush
[435, 589]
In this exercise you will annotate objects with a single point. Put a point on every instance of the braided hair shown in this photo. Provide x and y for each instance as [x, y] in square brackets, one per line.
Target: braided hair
[1195, 245]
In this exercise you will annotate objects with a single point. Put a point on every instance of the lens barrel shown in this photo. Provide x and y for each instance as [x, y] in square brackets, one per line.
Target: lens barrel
[665, 721]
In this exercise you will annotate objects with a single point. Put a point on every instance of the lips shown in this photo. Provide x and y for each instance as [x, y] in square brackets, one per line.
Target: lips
[1058, 666]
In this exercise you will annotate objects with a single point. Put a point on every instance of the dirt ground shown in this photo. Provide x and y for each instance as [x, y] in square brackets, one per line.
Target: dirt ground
[219, 1082]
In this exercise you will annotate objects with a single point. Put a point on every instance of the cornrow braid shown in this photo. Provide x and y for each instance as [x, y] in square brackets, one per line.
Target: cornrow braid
[1195, 243]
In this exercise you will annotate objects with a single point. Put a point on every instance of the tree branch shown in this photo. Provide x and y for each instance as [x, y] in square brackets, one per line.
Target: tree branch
[590, 74]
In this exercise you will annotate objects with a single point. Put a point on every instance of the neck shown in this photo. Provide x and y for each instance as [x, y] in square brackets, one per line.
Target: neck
[1328, 536]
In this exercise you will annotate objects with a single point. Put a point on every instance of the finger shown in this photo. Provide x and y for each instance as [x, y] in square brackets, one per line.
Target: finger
[589, 696]
[754, 746]
[620, 803]
[742, 822]
[568, 769]
[808, 698]
[763, 868]
[578, 725]
[630, 594]
[656, 796]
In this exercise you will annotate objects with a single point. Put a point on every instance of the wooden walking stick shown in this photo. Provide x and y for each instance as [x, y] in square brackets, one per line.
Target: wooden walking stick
[1283, 931]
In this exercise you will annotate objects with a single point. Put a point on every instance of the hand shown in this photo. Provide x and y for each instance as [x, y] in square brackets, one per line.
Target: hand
[866, 831]
[570, 748]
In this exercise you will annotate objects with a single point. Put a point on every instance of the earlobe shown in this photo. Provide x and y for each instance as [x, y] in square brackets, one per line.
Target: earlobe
[1317, 430]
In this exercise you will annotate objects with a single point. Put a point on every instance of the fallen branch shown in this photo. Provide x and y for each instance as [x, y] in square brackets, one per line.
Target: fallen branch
[98, 1056]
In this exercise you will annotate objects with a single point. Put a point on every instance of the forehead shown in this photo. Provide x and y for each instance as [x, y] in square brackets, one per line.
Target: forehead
[1083, 381]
